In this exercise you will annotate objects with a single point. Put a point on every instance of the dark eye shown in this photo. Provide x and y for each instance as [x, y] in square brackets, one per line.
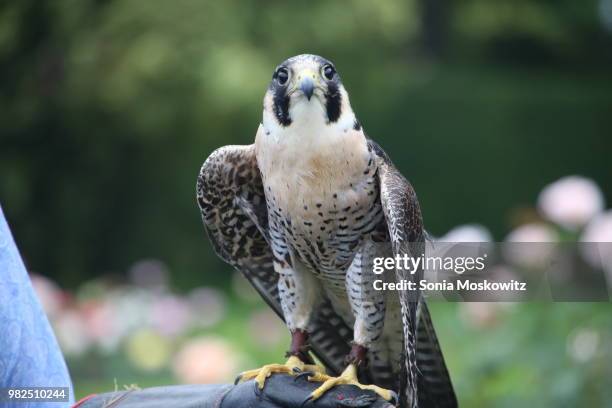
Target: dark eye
[328, 72]
[282, 75]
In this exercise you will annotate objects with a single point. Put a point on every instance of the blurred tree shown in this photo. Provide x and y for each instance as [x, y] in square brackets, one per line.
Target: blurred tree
[435, 26]
[110, 107]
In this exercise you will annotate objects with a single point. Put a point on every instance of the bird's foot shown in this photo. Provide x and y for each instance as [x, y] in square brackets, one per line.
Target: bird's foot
[293, 366]
[348, 376]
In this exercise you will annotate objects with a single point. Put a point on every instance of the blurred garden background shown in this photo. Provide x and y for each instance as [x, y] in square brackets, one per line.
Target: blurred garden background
[109, 107]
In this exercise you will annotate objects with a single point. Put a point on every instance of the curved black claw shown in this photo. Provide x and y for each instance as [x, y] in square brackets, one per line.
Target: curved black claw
[306, 401]
[258, 392]
[238, 378]
[303, 374]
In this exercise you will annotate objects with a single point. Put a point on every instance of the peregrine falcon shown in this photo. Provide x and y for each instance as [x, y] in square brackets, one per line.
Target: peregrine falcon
[302, 213]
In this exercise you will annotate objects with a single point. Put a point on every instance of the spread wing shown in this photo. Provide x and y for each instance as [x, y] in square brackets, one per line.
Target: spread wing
[231, 199]
[425, 372]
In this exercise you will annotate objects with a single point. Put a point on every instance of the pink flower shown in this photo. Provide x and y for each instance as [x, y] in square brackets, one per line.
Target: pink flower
[98, 317]
[596, 244]
[171, 315]
[149, 273]
[530, 246]
[71, 332]
[470, 240]
[571, 201]
[467, 233]
[533, 233]
[208, 306]
[206, 360]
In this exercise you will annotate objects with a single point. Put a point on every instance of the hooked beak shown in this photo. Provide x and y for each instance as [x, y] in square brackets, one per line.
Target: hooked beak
[307, 87]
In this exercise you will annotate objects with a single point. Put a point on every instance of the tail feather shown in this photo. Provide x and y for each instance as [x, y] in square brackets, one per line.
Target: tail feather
[435, 389]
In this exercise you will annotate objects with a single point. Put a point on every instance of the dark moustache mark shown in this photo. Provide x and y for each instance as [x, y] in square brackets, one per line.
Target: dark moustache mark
[281, 106]
[334, 101]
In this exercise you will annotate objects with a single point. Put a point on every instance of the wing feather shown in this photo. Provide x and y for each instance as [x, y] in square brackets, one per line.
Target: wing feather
[231, 198]
[424, 361]
[434, 383]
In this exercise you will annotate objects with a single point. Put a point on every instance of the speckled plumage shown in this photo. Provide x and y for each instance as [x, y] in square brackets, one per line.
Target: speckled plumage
[302, 213]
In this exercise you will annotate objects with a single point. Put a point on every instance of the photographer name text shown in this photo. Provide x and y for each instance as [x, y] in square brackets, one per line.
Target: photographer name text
[446, 264]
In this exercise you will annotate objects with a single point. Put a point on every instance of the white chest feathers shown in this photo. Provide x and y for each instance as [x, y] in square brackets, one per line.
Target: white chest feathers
[309, 163]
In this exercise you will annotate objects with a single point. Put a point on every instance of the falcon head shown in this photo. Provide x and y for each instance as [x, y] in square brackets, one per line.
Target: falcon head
[306, 88]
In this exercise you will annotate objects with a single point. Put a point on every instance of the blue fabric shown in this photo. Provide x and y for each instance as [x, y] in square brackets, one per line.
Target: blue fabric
[29, 353]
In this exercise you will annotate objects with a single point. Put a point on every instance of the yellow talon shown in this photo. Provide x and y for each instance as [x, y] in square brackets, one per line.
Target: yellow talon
[293, 366]
[348, 376]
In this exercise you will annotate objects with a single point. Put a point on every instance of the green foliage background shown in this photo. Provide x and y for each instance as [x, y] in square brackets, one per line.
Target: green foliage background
[109, 107]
